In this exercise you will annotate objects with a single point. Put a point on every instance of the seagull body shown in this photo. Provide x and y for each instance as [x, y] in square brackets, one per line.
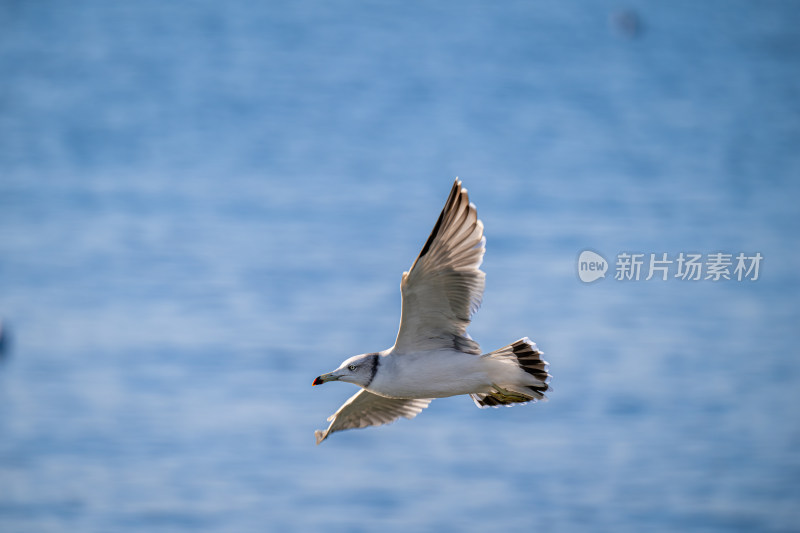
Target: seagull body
[433, 356]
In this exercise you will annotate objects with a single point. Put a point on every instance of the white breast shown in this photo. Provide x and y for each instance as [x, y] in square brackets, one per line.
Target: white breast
[436, 374]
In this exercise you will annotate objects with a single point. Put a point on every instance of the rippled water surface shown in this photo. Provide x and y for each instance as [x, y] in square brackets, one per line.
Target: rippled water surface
[205, 205]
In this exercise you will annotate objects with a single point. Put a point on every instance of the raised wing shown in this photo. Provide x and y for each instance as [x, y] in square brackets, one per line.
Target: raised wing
[366, 409]
[445, 284]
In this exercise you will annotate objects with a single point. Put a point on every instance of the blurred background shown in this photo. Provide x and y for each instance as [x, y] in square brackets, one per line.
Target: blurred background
[204, 205]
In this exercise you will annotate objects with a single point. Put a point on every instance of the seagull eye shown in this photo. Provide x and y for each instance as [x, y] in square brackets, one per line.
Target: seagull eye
[351, 368]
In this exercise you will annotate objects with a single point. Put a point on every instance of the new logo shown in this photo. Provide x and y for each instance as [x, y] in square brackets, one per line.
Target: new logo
[591, 266]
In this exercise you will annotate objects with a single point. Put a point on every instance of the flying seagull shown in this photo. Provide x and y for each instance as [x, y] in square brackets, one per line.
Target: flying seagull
[433, 356]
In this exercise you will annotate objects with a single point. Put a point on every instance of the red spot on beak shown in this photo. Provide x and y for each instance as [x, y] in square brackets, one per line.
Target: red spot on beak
[317, 381]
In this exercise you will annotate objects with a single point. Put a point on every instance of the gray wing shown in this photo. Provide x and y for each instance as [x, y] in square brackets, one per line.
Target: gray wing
[366, 409]
[445, 284]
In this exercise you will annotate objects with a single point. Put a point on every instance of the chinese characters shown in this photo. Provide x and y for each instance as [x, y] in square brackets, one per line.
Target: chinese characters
[687, 266]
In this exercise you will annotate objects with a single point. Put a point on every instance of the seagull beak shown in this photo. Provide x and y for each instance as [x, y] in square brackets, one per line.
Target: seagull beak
[325, 377]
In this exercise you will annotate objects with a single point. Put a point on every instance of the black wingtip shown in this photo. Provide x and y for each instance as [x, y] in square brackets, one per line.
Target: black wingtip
[453, 194]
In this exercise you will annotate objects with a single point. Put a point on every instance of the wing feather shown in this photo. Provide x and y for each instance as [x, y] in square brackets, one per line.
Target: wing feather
[444, 286]
[367, 409]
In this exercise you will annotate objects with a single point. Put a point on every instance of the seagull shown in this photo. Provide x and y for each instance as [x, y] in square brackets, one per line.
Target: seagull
[433, 356]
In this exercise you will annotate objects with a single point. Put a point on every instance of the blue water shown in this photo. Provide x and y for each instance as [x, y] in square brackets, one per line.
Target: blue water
[205, 205]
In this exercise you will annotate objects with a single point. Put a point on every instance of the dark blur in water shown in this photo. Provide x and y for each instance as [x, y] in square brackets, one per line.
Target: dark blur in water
[204, 205]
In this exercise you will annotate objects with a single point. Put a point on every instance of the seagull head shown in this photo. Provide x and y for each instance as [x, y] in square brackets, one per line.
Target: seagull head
[359, 370]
